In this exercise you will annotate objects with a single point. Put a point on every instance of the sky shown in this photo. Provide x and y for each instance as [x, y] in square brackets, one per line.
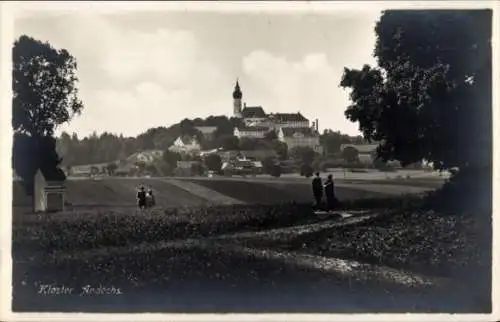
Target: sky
[139, 70]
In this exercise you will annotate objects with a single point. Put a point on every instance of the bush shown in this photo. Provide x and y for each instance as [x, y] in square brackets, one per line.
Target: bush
[333, 163]
[467, 191]
[275, 171]
[306, 170]
[268, 165]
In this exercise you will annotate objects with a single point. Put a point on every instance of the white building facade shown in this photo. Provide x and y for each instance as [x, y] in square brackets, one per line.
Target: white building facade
[185, 145]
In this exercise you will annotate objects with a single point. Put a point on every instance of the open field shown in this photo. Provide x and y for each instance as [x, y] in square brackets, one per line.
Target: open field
[171, 192]
[185, 255]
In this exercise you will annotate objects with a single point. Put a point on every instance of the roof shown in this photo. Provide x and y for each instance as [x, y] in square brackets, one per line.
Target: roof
[237, 91]
[260, 153]
[206, 129]
[290, 131]
[53, 173]
[253, 111]
[288, 117]
[253, 129]
[186, 139]
[362, 148]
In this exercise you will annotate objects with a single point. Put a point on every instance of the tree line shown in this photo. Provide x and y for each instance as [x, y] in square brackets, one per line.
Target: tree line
[108, 147]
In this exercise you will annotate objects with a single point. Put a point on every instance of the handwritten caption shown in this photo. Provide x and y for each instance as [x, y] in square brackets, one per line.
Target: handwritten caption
[86, 290]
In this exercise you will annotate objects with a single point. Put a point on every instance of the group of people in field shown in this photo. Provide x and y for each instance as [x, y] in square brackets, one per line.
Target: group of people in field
[145, 199]
[327, 189]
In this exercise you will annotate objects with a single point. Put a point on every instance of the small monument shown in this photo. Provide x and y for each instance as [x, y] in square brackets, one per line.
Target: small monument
[49, 190]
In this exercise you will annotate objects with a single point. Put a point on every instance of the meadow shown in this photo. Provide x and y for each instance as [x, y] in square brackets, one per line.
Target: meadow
[102, 239]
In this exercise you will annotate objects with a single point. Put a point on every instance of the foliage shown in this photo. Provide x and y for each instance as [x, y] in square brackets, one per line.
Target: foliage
[306, 170]
[379, 164]
[350, 155]
[213, 162]
[94, 170]
[271, 135]
[102, 231]
[423, 241]
[248, 144]
[276, 170]
[151, 169]
[332, 141]
[332, 163]
[44, 87]
[430, 85]
[44, 97]
[31, 153]
[197, 169]
[281, 149]
[171, 158]
[111, 168]
[268, 165]
[228, 142]
[303, 154]
[141, 165]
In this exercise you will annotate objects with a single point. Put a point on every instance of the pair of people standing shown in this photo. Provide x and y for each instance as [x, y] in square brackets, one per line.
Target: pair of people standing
[329, 190]
[145, 199]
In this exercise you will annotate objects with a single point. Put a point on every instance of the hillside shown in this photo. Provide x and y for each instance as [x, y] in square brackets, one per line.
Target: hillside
[108, 147]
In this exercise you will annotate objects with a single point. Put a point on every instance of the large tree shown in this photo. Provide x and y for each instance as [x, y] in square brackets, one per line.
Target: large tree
[30, 153]
[44, 87]
[213, 162]
[44, 96]
[430, 96]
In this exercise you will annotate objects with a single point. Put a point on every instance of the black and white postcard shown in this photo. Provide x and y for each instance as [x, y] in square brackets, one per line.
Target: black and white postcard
[244, 160]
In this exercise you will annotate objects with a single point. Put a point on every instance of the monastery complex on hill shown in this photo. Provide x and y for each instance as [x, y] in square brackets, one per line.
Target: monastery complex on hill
[292, 128]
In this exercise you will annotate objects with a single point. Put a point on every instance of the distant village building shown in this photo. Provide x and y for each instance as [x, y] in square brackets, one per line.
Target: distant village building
[253, 132]
[254, 115]
[287, 120]
[147, 156]
[300, 137]
[185, 145]
[258, 123]
[49, 190]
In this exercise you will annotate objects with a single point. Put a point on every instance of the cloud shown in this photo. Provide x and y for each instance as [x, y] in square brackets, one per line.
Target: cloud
[136, 73]
[309, 85]
[153, 78]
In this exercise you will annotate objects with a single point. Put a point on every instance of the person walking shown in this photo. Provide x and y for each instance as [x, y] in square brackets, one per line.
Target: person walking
[141, 198]
[330, 193]
[317, 187]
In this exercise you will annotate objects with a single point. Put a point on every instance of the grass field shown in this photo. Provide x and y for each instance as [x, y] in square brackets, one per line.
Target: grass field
[101, 238]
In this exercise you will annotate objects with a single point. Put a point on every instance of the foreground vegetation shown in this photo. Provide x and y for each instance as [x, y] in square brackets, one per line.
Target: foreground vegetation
[81, 230]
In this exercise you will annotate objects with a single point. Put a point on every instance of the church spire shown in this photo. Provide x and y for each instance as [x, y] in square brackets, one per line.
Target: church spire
[237, 91]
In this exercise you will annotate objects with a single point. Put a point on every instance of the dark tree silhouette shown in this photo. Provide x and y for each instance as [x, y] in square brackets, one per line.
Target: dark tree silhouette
[44, 96]
[350, 155]
[430, 97]
[171, 158]
[213, 162]
[303, 153]
[32, 153]
[44, 87]
[271, 135]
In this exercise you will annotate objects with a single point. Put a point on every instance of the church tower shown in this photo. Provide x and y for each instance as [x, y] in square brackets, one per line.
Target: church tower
[237, 95]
